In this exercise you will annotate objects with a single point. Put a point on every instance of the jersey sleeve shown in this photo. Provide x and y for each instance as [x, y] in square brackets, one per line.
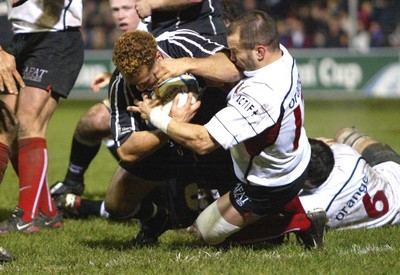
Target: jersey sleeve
[187, 43]
[123, 123]
[246, 116]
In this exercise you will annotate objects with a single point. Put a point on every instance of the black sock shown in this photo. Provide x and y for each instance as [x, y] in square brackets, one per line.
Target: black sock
[146, 211]
[80, 158]
[90, 207]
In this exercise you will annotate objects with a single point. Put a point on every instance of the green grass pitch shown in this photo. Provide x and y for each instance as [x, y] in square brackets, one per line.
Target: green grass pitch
[97, 246]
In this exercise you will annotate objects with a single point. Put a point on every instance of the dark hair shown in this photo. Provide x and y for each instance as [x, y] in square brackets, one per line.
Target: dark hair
[321, 162]
[255, 28]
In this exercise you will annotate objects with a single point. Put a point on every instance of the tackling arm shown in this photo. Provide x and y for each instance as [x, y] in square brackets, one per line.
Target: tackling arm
[193, 136]
[144, 8]
[168, 5]
[217, 67]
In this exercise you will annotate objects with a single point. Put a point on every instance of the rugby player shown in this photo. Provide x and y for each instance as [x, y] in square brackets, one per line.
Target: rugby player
[263, 128]
[47, 50]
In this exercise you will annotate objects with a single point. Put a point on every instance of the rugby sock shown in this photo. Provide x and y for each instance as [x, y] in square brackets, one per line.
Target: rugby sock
[32, 163]
[299, 220]
[4, 157]
[80, 158]
[89, 207]
[46, 203]
[144, 211]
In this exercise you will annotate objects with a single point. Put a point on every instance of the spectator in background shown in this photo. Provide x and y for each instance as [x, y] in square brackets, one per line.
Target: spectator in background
[336, 37]
[314, 15]
[378, 38]
[394, 38]
[362, 40]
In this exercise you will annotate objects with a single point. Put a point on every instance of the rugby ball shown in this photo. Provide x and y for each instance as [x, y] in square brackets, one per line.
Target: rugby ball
[182, 85]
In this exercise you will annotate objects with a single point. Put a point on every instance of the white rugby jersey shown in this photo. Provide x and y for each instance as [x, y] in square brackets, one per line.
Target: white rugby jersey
[262, 125]
[45, 15]
[357, 195]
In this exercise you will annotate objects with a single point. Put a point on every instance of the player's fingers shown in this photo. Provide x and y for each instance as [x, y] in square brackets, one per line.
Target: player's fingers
[11, 87]
[19, 79]
[137, 102]
[195, 106]
[133, 109]
[1, 84]
[189, 99]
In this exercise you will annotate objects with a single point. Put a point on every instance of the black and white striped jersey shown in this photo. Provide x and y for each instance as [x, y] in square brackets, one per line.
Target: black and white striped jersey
[176, 44]
[204, 18]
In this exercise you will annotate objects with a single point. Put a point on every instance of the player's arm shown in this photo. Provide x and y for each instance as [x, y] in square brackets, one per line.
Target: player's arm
[193, 136]
[9, 76]
[217, 67]
[101, 80]
[141, 144]
[144, 8]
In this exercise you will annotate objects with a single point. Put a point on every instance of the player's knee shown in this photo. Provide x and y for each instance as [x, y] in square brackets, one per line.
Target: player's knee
[211, 227]
[94, 122]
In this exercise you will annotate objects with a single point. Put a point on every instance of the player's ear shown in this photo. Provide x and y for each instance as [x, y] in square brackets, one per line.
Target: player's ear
[159, 55]
[260, 52]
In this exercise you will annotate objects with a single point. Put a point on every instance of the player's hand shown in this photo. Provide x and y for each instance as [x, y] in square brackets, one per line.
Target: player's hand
[144, 107]
[8, 124]
[169, 67]
[100, 81]
[186, 112]
[9, 76]
[143, 8]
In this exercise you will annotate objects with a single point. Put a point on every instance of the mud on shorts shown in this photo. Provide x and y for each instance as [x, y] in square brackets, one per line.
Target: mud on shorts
[251, 200]
[49, 60]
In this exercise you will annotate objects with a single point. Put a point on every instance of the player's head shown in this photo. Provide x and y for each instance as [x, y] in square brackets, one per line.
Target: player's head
[252, 37]
[321, 163]
[124, 15]
[135, 54]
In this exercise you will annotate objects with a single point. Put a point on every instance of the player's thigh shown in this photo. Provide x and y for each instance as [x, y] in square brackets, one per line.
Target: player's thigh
[230, 214]
[35, 108]
[125, 192]
[10, 100]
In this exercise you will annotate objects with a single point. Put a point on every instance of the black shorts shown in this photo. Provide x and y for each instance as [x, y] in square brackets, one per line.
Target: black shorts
[251, 200]
[49, 60]
[214, 170]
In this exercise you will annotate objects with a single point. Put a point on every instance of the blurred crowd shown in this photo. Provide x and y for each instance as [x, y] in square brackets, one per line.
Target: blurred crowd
[326, 24]
[302, 24]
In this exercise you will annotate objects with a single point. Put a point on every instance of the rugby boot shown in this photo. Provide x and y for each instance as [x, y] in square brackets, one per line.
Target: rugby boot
[6, 256]
[151, 229]
[313, 238]
[68, 204]
[16, 224]
[50, 222]
[62, 188]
